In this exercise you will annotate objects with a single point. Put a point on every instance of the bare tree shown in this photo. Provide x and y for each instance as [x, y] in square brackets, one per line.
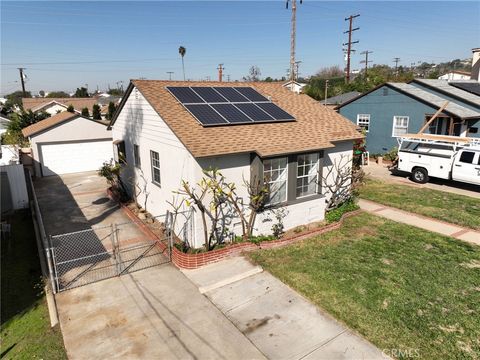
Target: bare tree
[340, 181]
[329, 72]
[254, 74]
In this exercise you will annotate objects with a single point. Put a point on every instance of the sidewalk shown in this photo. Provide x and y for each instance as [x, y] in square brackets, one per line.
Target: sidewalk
[421, 221]
[276, 319]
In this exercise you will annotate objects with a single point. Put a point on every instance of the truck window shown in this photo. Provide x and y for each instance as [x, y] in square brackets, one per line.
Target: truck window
[467, 157]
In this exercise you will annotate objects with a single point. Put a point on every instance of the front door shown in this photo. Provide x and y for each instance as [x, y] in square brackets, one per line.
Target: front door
[467, 167]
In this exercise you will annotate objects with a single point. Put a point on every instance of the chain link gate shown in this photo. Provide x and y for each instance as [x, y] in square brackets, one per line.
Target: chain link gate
[98, 253]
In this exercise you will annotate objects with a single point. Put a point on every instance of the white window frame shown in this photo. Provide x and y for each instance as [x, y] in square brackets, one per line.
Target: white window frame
[363, 121]
[154, 166]
[314, 167]
[137, 162]
[394, 126]
[268, 182]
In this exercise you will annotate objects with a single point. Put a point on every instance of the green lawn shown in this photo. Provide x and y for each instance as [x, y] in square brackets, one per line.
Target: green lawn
[399, 286]
[453, 208]
[25, 324]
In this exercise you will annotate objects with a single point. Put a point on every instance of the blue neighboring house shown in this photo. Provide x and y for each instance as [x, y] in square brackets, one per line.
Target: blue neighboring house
[395, 109]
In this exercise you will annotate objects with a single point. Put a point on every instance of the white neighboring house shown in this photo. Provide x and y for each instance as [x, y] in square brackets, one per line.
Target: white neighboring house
[68, 143]
[55, 105]
[455, 75]
[295, 86]
[164, 144]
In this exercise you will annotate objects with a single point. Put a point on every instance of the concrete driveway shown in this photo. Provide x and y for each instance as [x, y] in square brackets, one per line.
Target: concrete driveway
[381, 172]
[280, 322]
[155, 313]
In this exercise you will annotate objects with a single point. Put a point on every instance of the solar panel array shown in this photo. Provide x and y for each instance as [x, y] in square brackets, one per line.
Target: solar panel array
[228, 105]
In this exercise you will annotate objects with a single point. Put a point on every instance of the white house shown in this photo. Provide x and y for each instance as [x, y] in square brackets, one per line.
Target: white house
[165, 142]
[68, 143]
[295, 86]
[56, 105]
[455, 75]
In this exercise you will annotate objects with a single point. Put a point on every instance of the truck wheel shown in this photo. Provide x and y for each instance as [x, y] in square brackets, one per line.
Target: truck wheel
[419, 175]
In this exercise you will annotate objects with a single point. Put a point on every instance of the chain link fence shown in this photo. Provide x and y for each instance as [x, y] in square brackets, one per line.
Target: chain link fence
[102, 252]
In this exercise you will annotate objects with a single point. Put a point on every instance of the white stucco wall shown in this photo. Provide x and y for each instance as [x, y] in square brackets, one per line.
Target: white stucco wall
[77, 129]
[138, 123]
[54, 109]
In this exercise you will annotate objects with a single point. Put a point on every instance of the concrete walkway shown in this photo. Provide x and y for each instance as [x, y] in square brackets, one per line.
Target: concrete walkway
[380, 172]
[422, 222]
[280, 322]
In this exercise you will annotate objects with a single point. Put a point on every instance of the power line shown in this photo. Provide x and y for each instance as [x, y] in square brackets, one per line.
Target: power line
[349, 44]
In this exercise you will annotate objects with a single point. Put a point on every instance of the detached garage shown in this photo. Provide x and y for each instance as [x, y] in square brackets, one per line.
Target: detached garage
[68, 143]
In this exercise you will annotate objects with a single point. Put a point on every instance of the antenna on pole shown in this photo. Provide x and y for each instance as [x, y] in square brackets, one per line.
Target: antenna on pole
[170, 75]
[293, 37]
[349, 43]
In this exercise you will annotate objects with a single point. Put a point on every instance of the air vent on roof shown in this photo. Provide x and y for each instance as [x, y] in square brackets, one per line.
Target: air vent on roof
[228, 105]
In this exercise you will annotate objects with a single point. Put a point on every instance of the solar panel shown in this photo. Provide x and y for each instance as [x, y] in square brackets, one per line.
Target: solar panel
[276, 112]
[209, 94]
[205, 114]
[231, 94]
[228, 105]
[254, 112]
[231, 113]
[185, 95]
[251, 94]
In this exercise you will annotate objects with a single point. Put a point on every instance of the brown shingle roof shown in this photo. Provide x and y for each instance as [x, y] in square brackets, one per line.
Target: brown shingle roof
[77, 103]
[48, 123]
[316, 127]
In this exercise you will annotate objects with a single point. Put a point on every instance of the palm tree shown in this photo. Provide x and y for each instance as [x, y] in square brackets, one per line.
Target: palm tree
[182, 51]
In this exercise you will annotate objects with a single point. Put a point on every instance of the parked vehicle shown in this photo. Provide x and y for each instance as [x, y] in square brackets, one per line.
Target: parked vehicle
[444, 157]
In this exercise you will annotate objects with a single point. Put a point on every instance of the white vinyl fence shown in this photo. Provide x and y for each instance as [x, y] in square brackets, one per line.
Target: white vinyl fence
[14, 184]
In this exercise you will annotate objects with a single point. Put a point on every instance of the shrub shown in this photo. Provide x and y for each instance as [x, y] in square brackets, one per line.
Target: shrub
[336, 214]
[391, 154]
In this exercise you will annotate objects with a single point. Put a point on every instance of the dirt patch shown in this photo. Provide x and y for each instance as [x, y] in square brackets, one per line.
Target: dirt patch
[254, 324]
[474, 264]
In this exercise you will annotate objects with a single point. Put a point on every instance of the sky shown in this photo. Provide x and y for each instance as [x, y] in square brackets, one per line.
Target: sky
[65, 45]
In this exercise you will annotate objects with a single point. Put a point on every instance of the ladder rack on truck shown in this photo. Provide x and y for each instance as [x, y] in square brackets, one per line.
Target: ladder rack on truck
[454, 141]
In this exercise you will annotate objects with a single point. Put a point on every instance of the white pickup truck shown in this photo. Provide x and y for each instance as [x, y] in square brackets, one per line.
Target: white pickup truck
[444, 157]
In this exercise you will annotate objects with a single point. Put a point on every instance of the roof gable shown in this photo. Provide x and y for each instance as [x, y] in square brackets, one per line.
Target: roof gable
[315, 128]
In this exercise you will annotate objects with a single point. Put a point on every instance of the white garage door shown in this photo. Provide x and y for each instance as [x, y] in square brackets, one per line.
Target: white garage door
[74, 157]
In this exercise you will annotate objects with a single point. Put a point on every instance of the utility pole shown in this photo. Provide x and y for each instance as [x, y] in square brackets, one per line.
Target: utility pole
[297, 65]
[326, 91]
[396, 60]
[366, 61]
[220, 72]
[22, 81]
[170, 75]
[293, 37]
[349, 43]
[228, 78]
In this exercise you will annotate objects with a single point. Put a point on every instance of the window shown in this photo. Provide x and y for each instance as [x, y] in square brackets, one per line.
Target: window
[473, 130]
[275, 175]
[119, 152]
[385, 91]
[400, 126]
[467, 157]
[136, 156]
[155, 160]
[307, 174]
[363, 120]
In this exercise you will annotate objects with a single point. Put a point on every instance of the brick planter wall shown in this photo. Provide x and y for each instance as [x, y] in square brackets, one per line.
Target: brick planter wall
[194, 261]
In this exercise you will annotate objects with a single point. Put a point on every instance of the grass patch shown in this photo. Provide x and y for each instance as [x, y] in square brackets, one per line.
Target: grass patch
[399, 286]
[25, 323]
[453, 208]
